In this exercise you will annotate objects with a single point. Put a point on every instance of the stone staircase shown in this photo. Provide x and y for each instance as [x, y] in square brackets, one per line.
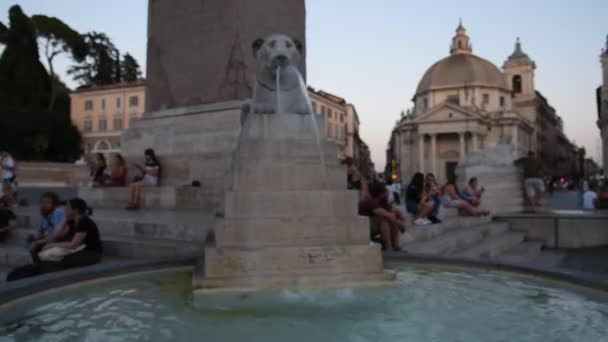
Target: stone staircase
[472, 238]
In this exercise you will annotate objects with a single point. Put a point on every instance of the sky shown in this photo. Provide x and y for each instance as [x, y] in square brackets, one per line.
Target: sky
[374, 53]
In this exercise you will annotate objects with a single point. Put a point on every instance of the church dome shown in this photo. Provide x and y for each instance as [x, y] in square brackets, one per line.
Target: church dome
[461, 68]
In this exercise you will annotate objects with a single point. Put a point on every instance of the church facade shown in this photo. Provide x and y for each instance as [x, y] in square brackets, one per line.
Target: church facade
[464, 103]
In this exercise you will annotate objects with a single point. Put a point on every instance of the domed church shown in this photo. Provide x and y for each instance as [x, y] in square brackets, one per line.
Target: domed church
[464, 103]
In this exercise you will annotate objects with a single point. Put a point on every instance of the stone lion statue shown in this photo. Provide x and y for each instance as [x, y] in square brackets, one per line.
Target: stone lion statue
[274, 52]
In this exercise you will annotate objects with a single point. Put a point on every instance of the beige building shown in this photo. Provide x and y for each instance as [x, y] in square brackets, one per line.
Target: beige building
[341, 122]
[464, 103]
[101, 113]
[602, 108]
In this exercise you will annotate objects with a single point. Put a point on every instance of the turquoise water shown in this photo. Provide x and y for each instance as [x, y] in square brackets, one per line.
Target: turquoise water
[427, 303]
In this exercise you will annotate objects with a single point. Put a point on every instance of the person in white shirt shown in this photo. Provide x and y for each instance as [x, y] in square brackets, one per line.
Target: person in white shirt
[8, 167]
[589, 199]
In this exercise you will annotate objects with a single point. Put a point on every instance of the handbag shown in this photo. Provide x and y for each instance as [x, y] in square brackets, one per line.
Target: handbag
[58, 253]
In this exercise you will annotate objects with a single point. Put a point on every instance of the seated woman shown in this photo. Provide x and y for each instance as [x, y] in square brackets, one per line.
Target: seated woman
[118, 177]
[418, 202]
[150, 173]
[472, 192]
[435, 194]
[98, 175]
[76, 236]
[385, 220]
[452, 199]
[8, 198]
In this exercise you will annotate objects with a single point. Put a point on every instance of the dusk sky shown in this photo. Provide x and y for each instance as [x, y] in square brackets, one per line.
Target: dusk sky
[373, 53]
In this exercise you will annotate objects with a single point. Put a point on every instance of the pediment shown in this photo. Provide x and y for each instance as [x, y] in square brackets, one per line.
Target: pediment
[447, 112]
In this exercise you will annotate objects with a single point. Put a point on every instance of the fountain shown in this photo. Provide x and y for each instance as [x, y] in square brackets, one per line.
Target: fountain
[288, 220]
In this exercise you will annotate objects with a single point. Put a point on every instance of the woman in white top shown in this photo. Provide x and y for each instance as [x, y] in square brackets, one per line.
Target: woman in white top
[8, 167]
[150, 173]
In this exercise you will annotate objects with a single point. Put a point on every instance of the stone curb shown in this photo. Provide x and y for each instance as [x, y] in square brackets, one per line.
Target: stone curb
[18, 289]
[553, 273]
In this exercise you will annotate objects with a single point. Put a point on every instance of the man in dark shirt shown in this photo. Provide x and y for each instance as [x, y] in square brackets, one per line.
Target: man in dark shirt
[533, 179]
[384, 219]
[8, 223]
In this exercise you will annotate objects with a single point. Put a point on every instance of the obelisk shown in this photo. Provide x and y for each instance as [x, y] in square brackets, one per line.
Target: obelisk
[199, 51]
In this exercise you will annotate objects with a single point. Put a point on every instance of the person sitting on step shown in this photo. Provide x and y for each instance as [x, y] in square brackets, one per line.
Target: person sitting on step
[8, 223]
[418, 201]
[150, 173]
[8, 198]
[472, 192]
[452, 199]
[77, 244]
[118, 177]
[384, 219]
[434, 192]
[51, 216]
[98, 175]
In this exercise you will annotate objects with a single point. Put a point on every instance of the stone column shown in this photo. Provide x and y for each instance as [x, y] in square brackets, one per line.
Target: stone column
[475, 142]
[434, 153]
[462, 146]
[421, 150]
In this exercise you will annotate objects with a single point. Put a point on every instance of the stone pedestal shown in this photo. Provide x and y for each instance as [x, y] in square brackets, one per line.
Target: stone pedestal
[192, 143]
[502, 180]
[288, 221]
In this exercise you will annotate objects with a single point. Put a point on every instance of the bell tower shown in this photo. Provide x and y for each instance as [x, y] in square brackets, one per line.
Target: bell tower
[519, 73]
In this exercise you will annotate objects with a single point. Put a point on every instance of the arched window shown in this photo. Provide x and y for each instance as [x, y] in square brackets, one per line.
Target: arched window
[460, 44]
[517, 84]
[103, 146]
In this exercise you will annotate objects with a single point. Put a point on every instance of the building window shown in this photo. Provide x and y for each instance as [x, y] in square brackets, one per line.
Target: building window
[486, 99]
[314, 107]
[132, 120]
[455, 99]
[329, 113]
[517, 84]
[502, 101]
[328, 130]
[88, 105]
[323, 110]
[103, 125]
[133, 101]
[88, 125]
[103, 104]
[117, 123]
[118, 102]
[341, 117]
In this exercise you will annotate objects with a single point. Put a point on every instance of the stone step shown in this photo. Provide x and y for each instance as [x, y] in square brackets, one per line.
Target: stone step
[269, 261]
[456, 239]
[423, 233]
[164, 197]
[146, 248]
[290, 176]
[14, 255]
[492, 246]
[184, 225]
[296, 231]
[522, 252]
[251, 152]
[291, 204]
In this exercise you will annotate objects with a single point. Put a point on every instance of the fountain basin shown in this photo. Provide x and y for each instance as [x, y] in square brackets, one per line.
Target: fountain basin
[427, 302]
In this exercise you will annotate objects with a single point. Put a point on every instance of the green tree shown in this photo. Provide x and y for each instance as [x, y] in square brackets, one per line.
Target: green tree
[55, 38]
[101, 65]
[131, 71]
[24, 82]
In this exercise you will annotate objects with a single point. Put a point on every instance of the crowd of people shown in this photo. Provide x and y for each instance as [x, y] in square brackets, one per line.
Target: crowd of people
[67, 237]
[147, 175]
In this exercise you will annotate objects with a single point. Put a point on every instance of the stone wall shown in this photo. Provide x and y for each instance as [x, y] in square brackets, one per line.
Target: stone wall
[51, 174]
[192, 143]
